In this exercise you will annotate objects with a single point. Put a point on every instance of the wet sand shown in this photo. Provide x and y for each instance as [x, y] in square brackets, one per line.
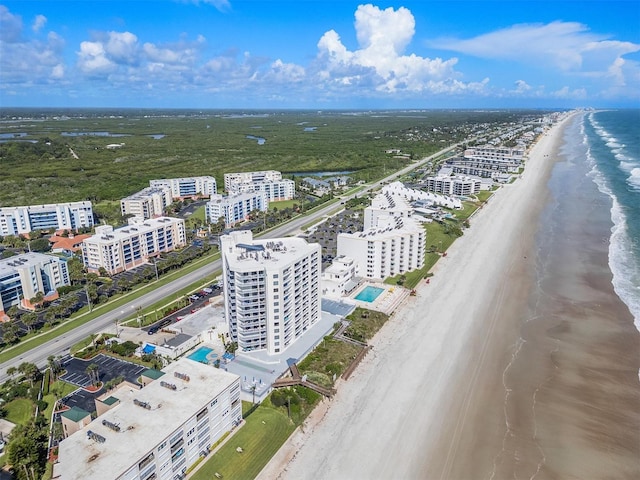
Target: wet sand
[517, 361]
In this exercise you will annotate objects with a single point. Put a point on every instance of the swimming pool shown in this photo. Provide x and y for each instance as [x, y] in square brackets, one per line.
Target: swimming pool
[200, 355]
[369, 294]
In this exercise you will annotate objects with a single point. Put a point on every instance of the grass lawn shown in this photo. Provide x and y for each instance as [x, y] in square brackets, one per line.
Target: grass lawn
[62, 389]
[282, 204]
[264, 432]
[20, 410]
[437, 241]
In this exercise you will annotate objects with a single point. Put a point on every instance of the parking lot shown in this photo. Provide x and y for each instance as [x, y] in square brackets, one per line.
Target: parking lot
[108, 369]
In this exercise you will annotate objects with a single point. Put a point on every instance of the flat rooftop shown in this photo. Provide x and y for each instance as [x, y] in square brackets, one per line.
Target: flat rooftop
[140, 429]
[9, 265]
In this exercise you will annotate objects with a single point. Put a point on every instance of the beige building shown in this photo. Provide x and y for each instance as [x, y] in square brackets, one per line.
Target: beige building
[156, 432]
[117, 250]
[147, 203]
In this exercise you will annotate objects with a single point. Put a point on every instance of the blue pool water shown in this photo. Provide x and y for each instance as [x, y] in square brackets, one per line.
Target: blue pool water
[369, 294]
[200, 355]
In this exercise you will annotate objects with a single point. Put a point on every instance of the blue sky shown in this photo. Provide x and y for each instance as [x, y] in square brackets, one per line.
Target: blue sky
[320, 54]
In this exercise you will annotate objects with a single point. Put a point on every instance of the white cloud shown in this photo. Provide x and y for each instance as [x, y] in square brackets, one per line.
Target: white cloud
[57, 72]
[24, 61]
[122, 47]
[222, 5]
[39, 22]
[93, 61]
[380, 61]
[569, 46]
[567, 93]
[522, 87]
[11, 25]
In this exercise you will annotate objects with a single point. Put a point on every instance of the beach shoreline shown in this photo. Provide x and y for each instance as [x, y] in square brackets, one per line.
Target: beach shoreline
[431, 400]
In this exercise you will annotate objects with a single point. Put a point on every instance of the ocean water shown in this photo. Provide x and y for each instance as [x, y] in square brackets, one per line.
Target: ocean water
[612, 142]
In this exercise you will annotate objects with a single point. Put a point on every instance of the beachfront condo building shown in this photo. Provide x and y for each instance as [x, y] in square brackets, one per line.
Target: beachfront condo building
[149, 202]
[117, 250]
[271, 289]
[270, 182]
[156, 432]
[57, 216]
[457, 185]
[394, 246]
[188, 187]
[488, 161]
[412, 195]
[23, 276]
[235, 208]
[392, 241]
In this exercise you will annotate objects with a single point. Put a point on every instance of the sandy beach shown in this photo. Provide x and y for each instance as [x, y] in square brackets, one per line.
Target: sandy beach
[480, 376]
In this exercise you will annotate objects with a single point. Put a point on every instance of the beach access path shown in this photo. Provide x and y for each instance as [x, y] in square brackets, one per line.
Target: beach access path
[409, 409]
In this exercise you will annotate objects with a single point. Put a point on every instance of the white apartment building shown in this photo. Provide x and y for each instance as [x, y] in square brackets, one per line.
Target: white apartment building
[398, 189]
[453, 185]
[339, 278]
[498, 154]
[23, 276]
[188, 187]
[392, 241]
[269, 182]
[157, 432]
[59, 216]
[117, 250]
[394, 246]
[147, 203]
[235, 208]
[488, 161]
[271, 288]
[386, 203]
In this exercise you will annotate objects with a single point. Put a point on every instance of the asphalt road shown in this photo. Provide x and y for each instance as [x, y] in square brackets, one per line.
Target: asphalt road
[62, 344]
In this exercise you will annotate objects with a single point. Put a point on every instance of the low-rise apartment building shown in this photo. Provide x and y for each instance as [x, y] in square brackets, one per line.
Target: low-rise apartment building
[339, 279]
[57, 216]
[271, 289]
[23, 276]
[117, 250]
[453, 185]
[188, 187]
[149, 202]
[488, 161]
[269, 182]
[157, 432]
[235, 208]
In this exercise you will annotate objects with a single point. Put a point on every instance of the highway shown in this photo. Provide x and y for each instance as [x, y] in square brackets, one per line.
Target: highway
[61, 344]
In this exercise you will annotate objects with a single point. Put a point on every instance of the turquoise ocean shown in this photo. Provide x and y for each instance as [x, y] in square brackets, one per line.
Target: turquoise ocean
[612, 143]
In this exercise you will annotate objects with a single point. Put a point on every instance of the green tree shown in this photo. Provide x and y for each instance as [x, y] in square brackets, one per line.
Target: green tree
[29, 319]
[40, 245]
[27, 451]
[13, 311]
[54, 365]
[76, 270]
[94, 374]
[30, 371]
[9, 333]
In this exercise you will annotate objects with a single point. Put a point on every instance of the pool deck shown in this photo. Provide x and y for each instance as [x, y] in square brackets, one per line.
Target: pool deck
[386, 302]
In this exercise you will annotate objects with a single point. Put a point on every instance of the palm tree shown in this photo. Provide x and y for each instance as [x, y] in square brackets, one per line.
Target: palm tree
[29, 320]
[9, 332]
[54, 365]
[29, 370]
[94, 374]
